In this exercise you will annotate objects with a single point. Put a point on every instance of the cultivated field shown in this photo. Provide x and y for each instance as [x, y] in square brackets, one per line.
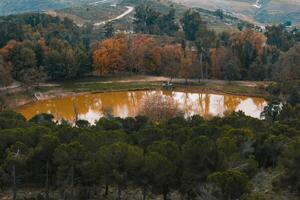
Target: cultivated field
[263, 11]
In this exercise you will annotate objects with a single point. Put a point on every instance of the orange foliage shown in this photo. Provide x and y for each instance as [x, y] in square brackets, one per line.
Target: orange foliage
[153, 60]
[138, 48]
[189, 63]
[142, 53]
[42, 44]
[171, 58]
[4, 51]
[108, 55]
[257, 39]
[219, 57]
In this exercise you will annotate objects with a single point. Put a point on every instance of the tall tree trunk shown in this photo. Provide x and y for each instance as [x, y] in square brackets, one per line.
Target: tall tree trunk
[95, 193]
[47, 180]
[106, 190]
[201, 65]
[14, 182]
[206, 72]
[119, 192]
[188, 196]
[165, 195]
[72, 182]
[144, 193]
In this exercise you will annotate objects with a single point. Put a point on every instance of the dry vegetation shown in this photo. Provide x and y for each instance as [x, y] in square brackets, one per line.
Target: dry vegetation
[157, 107]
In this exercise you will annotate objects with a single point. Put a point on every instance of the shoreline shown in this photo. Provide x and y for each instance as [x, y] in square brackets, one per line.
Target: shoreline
[63, 92]
[19, 96]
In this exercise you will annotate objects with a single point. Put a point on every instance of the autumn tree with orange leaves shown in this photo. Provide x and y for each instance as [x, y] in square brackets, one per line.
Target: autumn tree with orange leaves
[171, 59]
[248, 46]
[108, 55]
[218, 58]
[138, 47]
[5, 64]
[189, 65]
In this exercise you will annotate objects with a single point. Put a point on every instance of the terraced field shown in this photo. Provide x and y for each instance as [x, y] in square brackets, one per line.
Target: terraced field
[260, 11]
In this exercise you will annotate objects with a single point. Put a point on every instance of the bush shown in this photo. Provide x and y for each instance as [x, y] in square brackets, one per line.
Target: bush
[233, 183]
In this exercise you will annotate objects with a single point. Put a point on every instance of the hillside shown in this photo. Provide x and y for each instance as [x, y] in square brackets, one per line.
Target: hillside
[21, 6]
[259, 11]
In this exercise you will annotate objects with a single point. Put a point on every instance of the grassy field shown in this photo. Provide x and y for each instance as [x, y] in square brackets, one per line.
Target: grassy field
[115, 86]
[91, 14]
[94, 84]
[229, 88]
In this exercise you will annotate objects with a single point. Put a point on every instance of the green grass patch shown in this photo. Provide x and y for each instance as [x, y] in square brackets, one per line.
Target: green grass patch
[113, 86]
[230, 88]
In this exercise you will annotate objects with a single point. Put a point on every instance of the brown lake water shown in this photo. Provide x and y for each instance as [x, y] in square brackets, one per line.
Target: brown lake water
[93, 106]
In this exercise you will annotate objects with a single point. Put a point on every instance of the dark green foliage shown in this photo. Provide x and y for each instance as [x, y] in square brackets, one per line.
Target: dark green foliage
[281, 38]
[107, 124]
[118, 163]
[173, 155]
[10, 31]
[150, 21]
[10, 119]
[290, 160]
[200, 158]
[232, 72]
[192, 24]
[233, 183]
[42, 118]
[82, 124]
[3, 101]
[109, 30]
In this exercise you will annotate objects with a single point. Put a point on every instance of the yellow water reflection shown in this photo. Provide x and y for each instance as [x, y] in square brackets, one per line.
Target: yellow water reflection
[93, 106]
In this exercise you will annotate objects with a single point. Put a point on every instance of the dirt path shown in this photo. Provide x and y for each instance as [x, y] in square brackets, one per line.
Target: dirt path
[180, 80]
[14, 85]
[127, 12]
[211, 81]
[257, 4]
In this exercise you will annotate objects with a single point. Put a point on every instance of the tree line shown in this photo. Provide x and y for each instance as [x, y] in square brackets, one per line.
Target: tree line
[38, 47]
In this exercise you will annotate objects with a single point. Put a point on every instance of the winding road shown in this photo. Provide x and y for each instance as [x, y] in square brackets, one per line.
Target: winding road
[127, 12]
[257, 4]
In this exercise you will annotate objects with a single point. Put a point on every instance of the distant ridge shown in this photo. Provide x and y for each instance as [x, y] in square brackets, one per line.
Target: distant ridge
[8, 7]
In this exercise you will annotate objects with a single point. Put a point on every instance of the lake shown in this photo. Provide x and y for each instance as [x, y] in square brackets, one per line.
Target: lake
[123, 104]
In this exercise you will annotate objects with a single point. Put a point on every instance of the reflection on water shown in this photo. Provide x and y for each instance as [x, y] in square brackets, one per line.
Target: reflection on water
[93, 106]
